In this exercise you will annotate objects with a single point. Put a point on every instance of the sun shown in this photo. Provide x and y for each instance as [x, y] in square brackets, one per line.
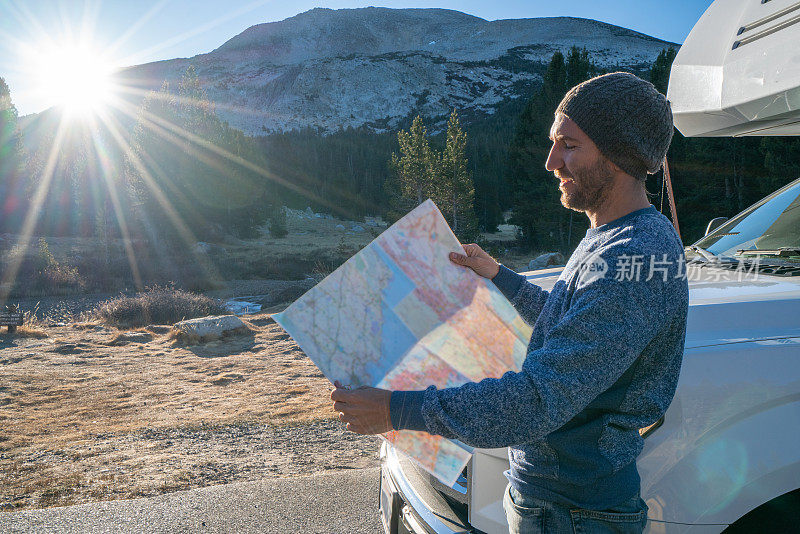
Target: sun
[73, 77]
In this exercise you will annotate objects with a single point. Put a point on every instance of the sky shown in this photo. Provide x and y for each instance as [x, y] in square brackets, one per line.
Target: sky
[130, 33]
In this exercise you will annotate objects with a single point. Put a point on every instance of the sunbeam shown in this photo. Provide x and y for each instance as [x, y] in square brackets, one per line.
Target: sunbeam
[32, 216]
[75, 75]
[184, 231]
[118, 212]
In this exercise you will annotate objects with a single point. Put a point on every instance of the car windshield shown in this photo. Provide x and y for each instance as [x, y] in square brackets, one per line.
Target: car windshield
[770, 224]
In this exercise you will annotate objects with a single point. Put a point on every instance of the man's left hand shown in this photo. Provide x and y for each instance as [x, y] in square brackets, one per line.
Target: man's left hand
[365, 410]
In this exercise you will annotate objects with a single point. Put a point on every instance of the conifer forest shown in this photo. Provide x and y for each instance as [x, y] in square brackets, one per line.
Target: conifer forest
[219, 180]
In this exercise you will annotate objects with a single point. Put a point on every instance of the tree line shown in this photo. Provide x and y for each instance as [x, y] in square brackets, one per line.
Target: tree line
[173, 166]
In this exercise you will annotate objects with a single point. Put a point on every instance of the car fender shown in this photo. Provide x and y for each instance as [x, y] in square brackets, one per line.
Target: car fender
[729, 442]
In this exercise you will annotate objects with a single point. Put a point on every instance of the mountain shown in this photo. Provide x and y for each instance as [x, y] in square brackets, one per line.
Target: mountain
[375, 67]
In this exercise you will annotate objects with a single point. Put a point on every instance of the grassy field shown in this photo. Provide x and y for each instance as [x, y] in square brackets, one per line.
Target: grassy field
[89, 412]
[66, 266]
[315, 246]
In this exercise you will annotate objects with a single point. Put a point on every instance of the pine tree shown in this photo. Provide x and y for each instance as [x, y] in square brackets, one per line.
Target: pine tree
[421, 172]
[455, 191]
[417, 163]
[659, 71]
[536, 205]
[578, 67]
[414, 169]
[12, 165]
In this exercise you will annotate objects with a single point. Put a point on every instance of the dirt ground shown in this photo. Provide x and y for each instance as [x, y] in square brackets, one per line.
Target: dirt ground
[91, 413]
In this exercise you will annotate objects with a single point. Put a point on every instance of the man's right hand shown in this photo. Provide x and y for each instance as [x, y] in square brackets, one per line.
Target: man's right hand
[477, 260]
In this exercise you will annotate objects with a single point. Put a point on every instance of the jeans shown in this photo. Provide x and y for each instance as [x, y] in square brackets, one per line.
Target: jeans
[528, 515]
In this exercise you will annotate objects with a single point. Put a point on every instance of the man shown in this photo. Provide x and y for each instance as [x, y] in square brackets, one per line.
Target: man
[607, 342]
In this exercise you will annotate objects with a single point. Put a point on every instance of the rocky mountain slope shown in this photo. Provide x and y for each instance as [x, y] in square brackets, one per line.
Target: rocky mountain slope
[374, 67]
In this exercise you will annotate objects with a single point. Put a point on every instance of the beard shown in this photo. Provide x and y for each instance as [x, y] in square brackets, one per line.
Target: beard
[590, 188]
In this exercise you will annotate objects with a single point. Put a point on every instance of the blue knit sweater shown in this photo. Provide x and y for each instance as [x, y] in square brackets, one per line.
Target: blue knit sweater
[603, 362]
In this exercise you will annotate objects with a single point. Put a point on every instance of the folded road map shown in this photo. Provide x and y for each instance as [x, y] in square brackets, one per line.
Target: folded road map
[399, 315]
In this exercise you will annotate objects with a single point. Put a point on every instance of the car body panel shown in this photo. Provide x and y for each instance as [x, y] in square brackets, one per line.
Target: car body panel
[715, 436]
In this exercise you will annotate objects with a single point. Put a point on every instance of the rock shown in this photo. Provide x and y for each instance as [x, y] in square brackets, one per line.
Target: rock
[207, 328]
[357, 228]
[359, 60]
[309, 212]
[202, 247]
[340, 227]
[545, 260]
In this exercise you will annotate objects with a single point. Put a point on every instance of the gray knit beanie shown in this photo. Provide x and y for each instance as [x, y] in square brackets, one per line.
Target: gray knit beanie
[626, 117]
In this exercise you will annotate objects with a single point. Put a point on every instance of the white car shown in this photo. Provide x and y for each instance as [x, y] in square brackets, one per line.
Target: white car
[728, 449]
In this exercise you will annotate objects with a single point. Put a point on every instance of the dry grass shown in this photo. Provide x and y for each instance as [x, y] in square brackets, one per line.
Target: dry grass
[26, 331]
[80, 401]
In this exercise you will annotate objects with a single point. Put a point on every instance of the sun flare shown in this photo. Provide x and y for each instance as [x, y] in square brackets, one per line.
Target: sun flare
[74, 77]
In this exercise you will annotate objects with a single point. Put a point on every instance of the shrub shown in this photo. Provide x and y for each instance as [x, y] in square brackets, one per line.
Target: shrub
[156, 305]
[277, 223]
[39, 273]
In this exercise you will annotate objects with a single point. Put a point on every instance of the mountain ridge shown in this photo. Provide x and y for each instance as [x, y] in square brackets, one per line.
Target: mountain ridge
[373, 67]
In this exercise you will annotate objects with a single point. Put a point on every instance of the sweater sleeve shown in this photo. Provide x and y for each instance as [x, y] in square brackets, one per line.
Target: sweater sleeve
[527, 298]
[405, 407]
[608, 325]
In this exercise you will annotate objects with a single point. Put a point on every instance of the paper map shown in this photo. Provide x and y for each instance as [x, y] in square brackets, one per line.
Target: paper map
[399, 315]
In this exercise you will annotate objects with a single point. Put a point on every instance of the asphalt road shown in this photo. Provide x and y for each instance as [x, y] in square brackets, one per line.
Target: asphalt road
[335, 503]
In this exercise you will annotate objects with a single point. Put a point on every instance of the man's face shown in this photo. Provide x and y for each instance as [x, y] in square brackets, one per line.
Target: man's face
[586, 177]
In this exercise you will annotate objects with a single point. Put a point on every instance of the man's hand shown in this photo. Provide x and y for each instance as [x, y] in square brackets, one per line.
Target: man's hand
[365, 410]
[477, 260]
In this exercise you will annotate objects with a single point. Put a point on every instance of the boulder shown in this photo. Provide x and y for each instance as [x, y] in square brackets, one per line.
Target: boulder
[546, 260]
[340, 227]
[207, 328]
[357, 229]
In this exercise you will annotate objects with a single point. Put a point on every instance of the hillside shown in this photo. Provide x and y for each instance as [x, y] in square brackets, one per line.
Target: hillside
[333, 69]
